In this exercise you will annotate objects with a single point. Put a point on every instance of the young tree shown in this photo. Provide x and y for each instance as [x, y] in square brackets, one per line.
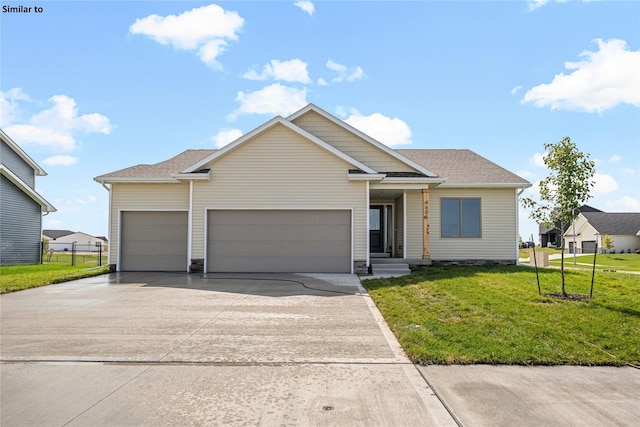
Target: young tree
[607, 243]
[564, 190]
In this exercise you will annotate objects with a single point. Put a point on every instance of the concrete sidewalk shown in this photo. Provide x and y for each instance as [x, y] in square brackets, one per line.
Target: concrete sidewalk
[482, 395]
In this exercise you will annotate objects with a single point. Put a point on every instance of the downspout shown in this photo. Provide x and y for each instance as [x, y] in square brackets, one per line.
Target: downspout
[190, 226]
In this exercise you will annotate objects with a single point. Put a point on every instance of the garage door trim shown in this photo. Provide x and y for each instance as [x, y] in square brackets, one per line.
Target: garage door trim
[349, 209]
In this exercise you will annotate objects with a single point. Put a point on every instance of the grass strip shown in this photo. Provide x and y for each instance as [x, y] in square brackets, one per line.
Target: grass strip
[18, 277]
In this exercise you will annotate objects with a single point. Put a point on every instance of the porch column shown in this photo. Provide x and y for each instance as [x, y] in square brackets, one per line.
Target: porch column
[425, 224]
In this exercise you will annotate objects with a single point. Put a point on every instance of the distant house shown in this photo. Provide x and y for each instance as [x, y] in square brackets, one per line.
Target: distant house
[550, 237]
[623, 227]
[21, 207]
[63, 240]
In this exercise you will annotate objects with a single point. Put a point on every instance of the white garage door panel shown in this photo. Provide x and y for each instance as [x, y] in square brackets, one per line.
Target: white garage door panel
[153, 241]
[279, 241]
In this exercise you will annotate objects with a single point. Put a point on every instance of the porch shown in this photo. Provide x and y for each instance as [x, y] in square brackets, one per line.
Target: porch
[398, 224]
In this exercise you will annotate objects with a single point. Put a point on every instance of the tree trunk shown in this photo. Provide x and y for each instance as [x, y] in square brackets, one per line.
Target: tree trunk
[564, 293]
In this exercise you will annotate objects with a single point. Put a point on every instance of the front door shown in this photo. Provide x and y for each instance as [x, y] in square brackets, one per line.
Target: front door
[376, 229]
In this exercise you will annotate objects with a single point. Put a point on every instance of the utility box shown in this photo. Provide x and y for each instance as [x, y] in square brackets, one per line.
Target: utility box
[541, 259]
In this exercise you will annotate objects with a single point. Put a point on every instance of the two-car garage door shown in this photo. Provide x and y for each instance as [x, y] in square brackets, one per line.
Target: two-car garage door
[279, 241]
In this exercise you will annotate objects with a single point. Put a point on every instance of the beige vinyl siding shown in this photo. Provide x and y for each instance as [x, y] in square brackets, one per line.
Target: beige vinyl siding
[414, 224]
[279, 169]
[350, 144]
[498, 226]
[161, 197]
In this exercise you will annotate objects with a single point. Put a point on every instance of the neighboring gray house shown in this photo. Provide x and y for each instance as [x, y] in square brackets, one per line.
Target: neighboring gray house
[623, 227]
[21, 207]
[310, 193]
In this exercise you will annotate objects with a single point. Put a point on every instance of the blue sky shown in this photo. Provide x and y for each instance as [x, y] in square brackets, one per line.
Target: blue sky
[91, 87]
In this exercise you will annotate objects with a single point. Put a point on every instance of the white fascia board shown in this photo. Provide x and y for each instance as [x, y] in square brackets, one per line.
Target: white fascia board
[206, 176]
[366, 176]
[484, 185]
[44, 204]
[372, 141]
[279, 120]
[24, 156]
[399, 186]
[407, 180]
[124, 180]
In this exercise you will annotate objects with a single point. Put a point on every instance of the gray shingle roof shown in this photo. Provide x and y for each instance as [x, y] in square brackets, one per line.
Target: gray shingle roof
[55, 234]
[160, 170]
[462, 166]
[614, 223]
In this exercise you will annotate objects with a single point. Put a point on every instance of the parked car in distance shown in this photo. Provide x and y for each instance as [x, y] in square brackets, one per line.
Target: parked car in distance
[525, 245]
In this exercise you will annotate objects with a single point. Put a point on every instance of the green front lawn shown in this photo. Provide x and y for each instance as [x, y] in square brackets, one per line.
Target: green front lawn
[18, 277]
[493, 314]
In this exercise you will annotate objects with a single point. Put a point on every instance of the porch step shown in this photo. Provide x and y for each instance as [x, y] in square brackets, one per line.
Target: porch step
[390, 269]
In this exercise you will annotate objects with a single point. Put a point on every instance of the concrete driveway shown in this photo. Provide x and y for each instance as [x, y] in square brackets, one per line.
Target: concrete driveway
[175, 349]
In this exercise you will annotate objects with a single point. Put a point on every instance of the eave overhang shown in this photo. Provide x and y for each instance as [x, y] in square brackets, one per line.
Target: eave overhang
[366, 176]
[484, 185]
[24, 156]
[193, 176]
[45, 206]
[129, 180]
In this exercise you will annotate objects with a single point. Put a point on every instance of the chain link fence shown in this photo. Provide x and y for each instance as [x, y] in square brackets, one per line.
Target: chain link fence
[90, 255]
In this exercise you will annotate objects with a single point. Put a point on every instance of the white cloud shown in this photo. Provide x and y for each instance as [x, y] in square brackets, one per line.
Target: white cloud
[628, 171]
[516, 90]
[387, 130]
[535, 4]
[204, 30]
[54, 127]
[9, 108]
[225, 136]
[344, 73]
[290, 71]
[525, 174]
[305, 5]
[615, 158]
[602, 80]
[624, 204]
[322, 82]
[538, 160]
[60, 160]
[604, 184]
[275, 99]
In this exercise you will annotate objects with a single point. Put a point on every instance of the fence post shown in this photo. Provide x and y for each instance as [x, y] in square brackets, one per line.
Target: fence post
[99, 245]
[73, 254]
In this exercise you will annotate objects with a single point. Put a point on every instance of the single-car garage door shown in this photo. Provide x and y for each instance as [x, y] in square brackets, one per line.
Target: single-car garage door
[293, 241]
[153, 241]
[588, 246]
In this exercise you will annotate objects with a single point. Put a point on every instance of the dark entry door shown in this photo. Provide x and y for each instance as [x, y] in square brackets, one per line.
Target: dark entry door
[376, 229]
